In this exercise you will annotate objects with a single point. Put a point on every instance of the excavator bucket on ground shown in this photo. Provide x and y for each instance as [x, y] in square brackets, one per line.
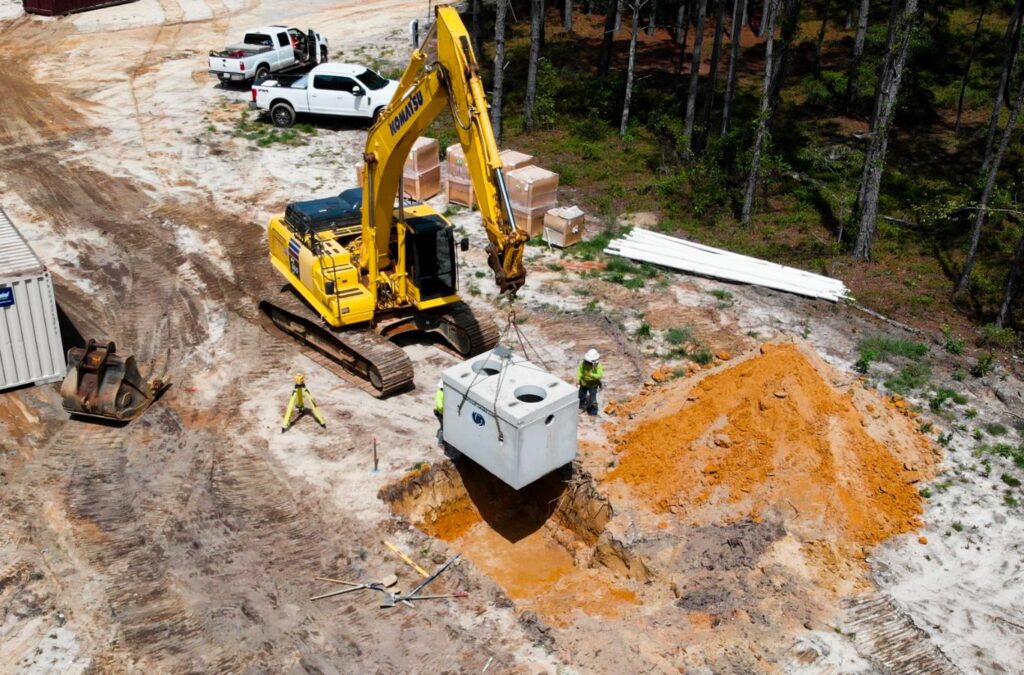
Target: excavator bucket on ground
[101, 383]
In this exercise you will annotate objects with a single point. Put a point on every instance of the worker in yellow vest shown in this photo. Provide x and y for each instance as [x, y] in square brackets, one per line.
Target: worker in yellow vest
[439, 411]
[588, 379]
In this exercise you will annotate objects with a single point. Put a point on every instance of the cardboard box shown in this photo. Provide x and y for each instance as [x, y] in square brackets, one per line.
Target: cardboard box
[422, 186]
[424, 156]
[532, 187]
[530, 220]
[513, 160]
[563, 226]
[460, 191]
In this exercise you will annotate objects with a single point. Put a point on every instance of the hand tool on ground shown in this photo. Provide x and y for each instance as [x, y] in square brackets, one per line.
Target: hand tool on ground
[411, 594]
[381, 586]
[463, 594]
[388, 581]
[407, 560]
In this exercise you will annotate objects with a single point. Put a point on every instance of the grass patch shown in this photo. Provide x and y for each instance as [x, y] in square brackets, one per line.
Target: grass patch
[643, 330]
[940, 397]
[1010, 480]
[984, 365]
[679, 336]
[995, 429]
[910, 377]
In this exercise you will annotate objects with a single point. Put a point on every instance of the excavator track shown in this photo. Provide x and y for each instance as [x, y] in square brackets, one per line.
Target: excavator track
[468, 333]
[358, 355]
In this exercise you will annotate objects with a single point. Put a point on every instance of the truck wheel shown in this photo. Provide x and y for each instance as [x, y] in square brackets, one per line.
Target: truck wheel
[262, 73]
[283, 115]
[376, 114]
[323, 55]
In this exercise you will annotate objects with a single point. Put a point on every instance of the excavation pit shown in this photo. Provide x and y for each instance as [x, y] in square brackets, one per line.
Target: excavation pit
[545, 545]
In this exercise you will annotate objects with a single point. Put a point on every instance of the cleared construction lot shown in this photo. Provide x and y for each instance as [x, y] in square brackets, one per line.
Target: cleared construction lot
[763, 513]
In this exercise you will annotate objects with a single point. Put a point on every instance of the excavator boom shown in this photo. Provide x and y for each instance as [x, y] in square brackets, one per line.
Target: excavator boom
[425, 90]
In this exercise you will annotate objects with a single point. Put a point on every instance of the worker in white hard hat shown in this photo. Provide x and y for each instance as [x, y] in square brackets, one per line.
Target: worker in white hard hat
[588, 379]
[439, 411]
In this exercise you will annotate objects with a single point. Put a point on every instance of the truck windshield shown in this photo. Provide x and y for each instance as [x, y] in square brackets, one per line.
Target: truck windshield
[372, 80]
[258, 39]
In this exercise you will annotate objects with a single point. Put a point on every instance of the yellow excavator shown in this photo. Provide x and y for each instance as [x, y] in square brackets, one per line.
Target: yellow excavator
[365, 267]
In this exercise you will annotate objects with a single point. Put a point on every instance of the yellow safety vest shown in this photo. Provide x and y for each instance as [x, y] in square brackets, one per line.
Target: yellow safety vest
[589, 376]
[439, 401]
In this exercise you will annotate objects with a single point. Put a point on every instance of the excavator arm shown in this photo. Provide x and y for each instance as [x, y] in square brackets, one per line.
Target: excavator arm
[426, 88]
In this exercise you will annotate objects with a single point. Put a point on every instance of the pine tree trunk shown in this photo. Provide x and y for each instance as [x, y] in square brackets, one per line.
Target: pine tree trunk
[687, 9]
[681, 21]
[771, 10]
[1011, 284]
[604, 62]
[629, 68]
[986, 193]
[967, 69]
[821, 36]
[501, 12]
[853, 74]
[618, 17]
[652, 18]
[566, 16]
[536, 26]
[738, 9]
[901, 30]
[848, 18]
[691, 98]
[1011, 48]
[709, 90]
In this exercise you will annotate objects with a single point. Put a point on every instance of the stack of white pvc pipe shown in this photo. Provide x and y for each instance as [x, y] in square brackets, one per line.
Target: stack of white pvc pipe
[687, 256]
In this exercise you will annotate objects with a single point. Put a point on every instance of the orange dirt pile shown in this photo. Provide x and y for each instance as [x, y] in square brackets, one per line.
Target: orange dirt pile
[771, 437]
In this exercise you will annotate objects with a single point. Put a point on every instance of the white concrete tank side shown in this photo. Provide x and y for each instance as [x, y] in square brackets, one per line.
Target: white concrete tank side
[510, 416]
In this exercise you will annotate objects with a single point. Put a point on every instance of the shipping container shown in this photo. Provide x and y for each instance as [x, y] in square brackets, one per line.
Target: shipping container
[56, 7]
[31, 351]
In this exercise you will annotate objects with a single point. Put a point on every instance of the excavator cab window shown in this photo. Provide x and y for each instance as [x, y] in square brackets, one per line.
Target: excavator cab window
[430, 252]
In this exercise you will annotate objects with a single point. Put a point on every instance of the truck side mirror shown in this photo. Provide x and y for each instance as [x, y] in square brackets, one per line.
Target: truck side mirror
[464, 244]
[357, 91]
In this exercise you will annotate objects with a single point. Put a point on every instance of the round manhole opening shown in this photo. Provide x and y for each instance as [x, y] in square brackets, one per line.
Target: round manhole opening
[530, 393]
[487, 367]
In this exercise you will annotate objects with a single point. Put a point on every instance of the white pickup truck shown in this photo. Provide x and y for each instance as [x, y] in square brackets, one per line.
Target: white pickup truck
[339, 89]
[267, 50]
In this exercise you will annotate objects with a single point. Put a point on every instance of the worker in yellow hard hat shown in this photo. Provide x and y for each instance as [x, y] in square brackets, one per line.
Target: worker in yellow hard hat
[439, 411]
[588, 378]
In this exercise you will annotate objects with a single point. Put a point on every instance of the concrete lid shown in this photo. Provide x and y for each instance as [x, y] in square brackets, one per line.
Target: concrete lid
[514, 389]
[17, 259]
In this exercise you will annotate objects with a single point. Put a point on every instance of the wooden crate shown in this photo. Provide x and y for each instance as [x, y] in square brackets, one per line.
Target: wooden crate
[532, 187]
[460, 191]
[424, 156]
[512, 159]
[424, 185]
[456, 159]
[563, 226]
[530, 220]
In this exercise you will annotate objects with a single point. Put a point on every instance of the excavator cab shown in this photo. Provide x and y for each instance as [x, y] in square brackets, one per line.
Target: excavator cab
[101, 383]
[430, 255]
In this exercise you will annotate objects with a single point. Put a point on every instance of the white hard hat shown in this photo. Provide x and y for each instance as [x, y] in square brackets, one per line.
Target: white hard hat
[440, 384]
[592, 356]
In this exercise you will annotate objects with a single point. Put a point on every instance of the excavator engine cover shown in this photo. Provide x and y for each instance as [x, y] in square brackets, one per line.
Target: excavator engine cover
[101, 383]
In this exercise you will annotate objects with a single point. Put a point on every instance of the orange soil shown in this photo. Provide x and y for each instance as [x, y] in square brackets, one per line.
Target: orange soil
[536, 571]
[771, 436]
